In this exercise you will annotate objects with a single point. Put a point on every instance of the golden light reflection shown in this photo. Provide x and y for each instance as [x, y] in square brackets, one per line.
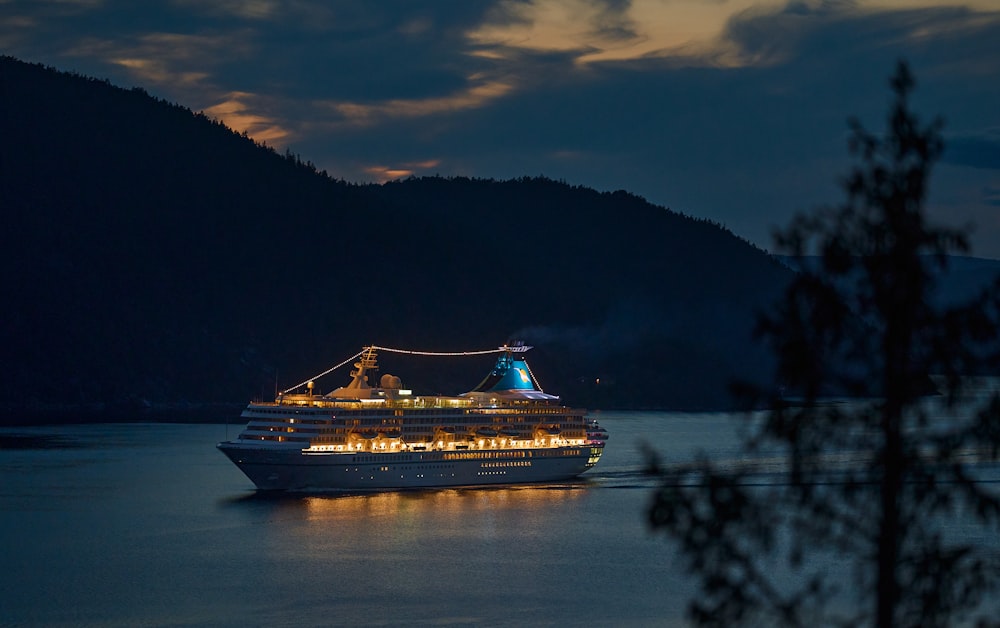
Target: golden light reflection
[396, 523]
[451, 504]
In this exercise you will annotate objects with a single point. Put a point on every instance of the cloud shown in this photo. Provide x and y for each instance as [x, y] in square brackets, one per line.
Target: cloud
[239, 113]
[190, 68]
[731, 110]
[476, 95]
[183, 64]
[833, 28]
[245, 9]
[381, 174]
[676, 32]
[151, 71]
[598, 31]
[555, 25]
[735, 33]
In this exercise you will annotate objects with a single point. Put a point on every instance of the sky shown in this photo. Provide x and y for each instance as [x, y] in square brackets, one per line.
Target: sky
[733, 111]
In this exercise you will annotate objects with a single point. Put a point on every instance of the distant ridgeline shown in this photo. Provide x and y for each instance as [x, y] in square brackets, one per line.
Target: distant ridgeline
[152, 257]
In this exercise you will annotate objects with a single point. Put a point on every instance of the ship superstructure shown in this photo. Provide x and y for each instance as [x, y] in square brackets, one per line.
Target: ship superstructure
[364, 437]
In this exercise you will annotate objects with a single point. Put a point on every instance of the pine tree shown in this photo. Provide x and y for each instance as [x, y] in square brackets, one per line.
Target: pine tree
[861, 320]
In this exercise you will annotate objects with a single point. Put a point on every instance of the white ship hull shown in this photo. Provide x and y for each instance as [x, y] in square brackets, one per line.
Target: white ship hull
[295, 470]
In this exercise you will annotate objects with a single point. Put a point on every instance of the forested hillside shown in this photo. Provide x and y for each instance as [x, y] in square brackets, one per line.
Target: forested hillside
[152, 256]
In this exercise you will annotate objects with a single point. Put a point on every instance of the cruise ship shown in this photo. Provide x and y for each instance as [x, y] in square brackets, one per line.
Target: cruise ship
[361, 437]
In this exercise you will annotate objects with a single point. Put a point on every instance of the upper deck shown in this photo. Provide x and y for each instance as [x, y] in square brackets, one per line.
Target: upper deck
[390, 400]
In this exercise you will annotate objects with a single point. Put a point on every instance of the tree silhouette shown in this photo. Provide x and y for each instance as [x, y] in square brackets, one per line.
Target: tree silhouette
[873, 484]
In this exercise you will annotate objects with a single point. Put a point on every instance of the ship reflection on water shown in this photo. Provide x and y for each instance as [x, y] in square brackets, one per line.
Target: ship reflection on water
[440, 503]
[436, 508]
[451, 556]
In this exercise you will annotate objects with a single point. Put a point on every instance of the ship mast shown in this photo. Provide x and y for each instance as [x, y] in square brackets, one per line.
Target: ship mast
[361, 368]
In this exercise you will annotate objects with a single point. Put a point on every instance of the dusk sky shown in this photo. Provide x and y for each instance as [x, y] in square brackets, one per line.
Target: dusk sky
[730, 110]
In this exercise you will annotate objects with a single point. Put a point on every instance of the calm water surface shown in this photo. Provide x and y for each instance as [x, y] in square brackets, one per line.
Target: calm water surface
[148, 525]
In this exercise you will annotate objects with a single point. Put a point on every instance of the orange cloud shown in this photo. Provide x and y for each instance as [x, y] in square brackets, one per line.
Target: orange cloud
[154, 71]
[173, 60]
[237, 114]
[644, 28]
[689, 30]
[381, 174]
[182, 63]
[367, 114]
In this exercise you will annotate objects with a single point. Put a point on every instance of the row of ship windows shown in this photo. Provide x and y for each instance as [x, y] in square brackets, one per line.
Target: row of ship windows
[539, 410]
[548, 453]
[286, 425]
[428, 467]
[282, 437]
[409, 429]
[436, 422]
[554, 410]
[375, 423]
[505, 456]
[483, 455]
[431, 420]
[465, 455]
[324, 435]
[396, 468]
[566, 429]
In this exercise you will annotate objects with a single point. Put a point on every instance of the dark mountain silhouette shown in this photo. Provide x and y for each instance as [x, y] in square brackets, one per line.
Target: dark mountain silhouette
[153, 256]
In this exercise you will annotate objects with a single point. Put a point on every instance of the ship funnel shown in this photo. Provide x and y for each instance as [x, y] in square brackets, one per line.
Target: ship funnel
[512, 378]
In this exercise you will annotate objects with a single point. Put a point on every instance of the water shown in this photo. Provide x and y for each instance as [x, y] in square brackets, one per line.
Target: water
[148, 525]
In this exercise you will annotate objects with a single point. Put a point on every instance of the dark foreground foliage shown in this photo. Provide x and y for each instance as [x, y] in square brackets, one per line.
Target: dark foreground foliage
[877, 484]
